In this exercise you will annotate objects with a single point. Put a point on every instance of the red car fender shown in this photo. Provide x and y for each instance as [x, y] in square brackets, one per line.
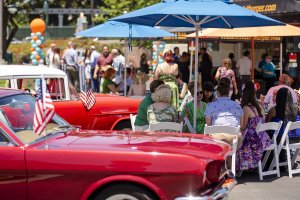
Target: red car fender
[134, 179]
[116, 122]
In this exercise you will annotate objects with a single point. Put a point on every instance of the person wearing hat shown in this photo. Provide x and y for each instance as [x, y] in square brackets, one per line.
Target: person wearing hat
[284, 81]
[166, 72]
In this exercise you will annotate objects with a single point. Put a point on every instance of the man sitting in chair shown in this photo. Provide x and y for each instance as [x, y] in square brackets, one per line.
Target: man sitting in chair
[224, 112]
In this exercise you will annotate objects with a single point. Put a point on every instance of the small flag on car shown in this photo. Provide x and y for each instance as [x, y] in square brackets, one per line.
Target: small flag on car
[88, 99]
[44, 108]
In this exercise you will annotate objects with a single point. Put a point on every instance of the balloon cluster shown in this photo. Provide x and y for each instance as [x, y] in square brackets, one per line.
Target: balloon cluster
[158, 48]
[37, 44]
[37, 27]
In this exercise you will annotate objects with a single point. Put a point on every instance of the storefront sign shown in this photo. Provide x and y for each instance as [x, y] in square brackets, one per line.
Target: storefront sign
[270, 6]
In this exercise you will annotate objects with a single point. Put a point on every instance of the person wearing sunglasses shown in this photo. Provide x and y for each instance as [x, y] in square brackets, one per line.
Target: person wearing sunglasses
[188, 110]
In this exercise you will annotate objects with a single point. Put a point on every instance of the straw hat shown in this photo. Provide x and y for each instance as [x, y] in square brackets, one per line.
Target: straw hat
[140, 77]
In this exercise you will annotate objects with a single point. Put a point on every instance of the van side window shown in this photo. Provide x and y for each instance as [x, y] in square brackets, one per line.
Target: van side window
[5, 83]
[56, 88]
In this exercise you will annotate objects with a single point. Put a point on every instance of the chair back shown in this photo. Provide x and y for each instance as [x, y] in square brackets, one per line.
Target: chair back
[189, 125]
[273, 126]
[289, 127]
[160, 126]
[233, 130]
[132, 120]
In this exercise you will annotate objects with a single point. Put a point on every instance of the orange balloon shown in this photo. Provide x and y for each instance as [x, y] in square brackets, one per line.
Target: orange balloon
[160, 53]
[154, 62]
[37, 57]
[32, 49]
[37, 25]
[41, 46]
[35, 38]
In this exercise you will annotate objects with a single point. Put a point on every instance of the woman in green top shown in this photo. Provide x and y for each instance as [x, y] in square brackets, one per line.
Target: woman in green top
[166, 72]
[108, 86]
[141, 121]
[188, 110]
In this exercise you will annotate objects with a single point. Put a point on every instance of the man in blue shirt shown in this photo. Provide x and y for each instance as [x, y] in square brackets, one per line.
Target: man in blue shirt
[71, 62]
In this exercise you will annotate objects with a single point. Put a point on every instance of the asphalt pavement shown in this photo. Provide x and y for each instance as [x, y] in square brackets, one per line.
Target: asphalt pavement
[249, 187]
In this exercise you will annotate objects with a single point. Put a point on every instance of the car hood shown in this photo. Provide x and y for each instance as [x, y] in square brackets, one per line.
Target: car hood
[122, 141]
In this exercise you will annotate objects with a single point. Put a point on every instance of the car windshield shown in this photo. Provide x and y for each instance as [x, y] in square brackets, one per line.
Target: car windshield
[17, 112]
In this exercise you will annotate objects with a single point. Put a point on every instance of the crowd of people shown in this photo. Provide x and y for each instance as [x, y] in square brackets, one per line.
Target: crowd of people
[227, 96]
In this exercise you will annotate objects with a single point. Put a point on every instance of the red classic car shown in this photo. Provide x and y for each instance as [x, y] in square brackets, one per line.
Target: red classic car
[70, 163]
[111, 112]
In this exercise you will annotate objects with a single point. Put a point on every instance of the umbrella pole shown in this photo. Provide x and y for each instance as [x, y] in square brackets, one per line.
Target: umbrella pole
[280, 62]
[197, 26]
[252, 59]
[191, 61]
[125, 67]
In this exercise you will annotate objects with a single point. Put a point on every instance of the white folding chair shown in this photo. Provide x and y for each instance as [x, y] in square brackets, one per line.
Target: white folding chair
[285, 144]
[232, 130]
[160, 126]
[132, 120]
[275, 126]
[189, 125]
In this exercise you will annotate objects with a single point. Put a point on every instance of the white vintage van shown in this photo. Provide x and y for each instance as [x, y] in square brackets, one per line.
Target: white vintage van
[25, 76]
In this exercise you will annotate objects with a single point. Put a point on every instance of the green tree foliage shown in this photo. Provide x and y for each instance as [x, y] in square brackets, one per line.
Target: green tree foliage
[113, 8]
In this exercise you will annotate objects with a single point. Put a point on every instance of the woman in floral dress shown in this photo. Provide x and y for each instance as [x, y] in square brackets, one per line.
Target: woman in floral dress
[254, 144]
[226, 71]
[167, 72]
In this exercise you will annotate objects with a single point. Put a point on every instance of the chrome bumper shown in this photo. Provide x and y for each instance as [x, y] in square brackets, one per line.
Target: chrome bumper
[219, 193]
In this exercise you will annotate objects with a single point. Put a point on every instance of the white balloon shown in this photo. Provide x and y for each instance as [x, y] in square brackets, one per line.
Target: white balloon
[41, 61]
[34, 53]
[32, 34]
[38, 42]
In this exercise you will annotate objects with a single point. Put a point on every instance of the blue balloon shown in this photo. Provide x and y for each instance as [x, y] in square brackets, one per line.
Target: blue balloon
[154, 53]
[160, 60]
[32, 57]
[35, 62]
[34, 45]
[161, 46]
[32, 42]
[38, 49]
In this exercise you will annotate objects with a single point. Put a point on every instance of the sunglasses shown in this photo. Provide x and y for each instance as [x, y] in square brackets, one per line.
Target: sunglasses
[200, 92]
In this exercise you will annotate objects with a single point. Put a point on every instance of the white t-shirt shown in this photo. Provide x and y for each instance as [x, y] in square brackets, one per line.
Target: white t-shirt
[244, 66]
[270, 97]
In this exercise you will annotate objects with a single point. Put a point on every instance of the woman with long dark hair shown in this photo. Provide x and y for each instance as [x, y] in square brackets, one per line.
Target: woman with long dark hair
[285, 110]
[254, 144]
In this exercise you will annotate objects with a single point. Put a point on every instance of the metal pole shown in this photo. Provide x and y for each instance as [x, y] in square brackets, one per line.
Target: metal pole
[280, 59]
[1, 32]
[191, 61]
[197, 26]
[46, 11]
[252, 60]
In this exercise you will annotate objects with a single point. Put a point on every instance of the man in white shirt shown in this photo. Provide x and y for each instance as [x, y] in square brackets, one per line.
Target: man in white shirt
[118, 61]
[49, 52]
[284, 81]
[94, 58]
[244, 68]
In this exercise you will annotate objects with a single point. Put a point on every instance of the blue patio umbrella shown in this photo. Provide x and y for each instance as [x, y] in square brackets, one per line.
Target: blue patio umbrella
[198, 14]
[113, 29]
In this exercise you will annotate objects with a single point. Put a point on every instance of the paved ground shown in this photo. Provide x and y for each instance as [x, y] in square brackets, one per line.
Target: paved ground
[250, 187]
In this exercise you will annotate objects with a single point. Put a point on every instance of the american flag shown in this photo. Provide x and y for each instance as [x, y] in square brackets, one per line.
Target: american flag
[88, 99]
[44, 108]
